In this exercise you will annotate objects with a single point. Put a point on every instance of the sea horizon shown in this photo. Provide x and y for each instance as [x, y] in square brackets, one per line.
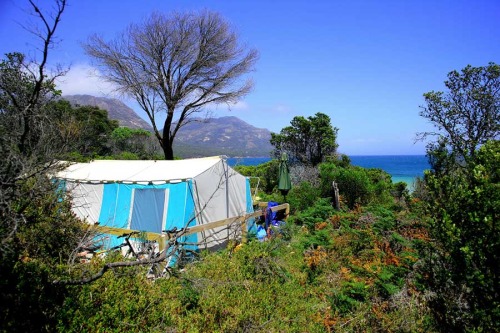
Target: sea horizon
[402, 168]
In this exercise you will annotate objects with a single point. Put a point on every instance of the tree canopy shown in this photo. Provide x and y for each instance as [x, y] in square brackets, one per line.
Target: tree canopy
[175, 65]
[463, 198]
[307, 140]
[85, 129]
[468, 113]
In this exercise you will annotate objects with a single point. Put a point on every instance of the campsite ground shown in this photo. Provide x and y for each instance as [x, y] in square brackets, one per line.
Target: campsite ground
[352, 270]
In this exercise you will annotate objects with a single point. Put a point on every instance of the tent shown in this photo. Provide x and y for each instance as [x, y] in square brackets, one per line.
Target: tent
[159, 195]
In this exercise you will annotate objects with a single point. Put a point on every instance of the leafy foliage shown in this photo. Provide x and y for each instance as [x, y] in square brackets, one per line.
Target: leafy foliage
[462, 194]
[41, 245]
[468, 114]
[30, 140]
[133, 141]
[464, 205]
[266, 172]
[307, 140]
[353, 183]
[319, 211]
[303, 196]
[86, 129]
[322, 279]
[37, 229]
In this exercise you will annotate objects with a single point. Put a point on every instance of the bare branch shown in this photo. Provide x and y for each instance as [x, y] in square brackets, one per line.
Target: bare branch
[176, 64]
[29, 140]
[111, 265]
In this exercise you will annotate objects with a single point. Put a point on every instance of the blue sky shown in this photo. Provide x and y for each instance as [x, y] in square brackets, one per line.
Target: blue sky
[364, 63]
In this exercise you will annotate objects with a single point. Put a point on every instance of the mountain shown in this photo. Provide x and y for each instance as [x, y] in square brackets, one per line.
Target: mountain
[229, 136]
[116, 110]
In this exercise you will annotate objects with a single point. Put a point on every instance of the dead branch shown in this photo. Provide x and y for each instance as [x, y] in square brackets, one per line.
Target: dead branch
[175, 64]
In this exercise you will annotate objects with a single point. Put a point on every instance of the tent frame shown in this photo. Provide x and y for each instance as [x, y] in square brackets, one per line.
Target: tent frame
[163, 238]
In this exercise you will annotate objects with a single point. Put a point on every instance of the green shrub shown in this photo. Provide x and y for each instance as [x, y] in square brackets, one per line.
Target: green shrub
[36, 256]
[353, 183]
[126, 155]
[463, 260]
[188, 295]
[267, 172]
[385, 219]
[321, 278]
[400, 191]
[350, 296]
[388, 282]
[357, 290]
[320, 211]
[302, 197]
[380, 185]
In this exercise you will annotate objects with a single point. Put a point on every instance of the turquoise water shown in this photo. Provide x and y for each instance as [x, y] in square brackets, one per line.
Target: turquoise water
[232, 161]
[402, 168]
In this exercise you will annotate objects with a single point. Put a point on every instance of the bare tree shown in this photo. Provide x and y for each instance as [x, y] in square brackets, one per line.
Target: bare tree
[175, 64]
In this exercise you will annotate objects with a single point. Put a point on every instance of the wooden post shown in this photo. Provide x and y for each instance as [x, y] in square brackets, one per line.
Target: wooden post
[244, 231]
[336, 200]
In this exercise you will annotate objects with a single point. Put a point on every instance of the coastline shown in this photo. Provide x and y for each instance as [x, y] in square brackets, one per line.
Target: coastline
[402, 168]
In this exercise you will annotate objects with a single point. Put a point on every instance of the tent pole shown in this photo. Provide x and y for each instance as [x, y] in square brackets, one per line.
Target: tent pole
[226, 173]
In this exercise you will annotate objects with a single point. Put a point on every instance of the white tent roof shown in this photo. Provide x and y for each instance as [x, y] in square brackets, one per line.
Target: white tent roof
[137, 171]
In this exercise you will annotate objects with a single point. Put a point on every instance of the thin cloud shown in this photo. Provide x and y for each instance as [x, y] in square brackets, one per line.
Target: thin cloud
[83, 79]
[281, 108]
[238, 106]
[366, 140]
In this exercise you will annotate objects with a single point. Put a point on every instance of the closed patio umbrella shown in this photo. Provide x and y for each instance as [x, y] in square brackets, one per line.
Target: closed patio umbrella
[284, 183]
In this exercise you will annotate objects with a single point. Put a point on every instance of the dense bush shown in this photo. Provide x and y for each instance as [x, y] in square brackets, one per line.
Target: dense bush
[463, 262]
[341, 276]
[356, 185]
[318, 211]
[128, 143]
[302, 196]
[267, 172]
[381, 186]
[353, 183]
[255, 288]
[41, 247]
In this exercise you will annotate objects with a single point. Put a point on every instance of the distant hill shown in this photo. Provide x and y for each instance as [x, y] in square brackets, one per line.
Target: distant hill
[229, 136]
[116, 110]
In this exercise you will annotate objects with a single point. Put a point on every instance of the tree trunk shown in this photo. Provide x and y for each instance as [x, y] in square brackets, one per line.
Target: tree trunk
[168, 151]
[166, 141]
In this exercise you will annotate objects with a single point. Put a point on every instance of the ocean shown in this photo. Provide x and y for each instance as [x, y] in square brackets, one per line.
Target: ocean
[402, 168]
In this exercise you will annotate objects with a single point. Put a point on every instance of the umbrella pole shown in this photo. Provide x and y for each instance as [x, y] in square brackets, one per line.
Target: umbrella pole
[284, 194]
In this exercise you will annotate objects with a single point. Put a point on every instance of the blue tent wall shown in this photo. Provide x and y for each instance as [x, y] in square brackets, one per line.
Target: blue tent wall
[115, 207]
[251, 225]
[181, 195]
[117, 204]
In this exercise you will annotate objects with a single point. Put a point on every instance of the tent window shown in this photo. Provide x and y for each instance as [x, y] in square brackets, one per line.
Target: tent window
[148, 210]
